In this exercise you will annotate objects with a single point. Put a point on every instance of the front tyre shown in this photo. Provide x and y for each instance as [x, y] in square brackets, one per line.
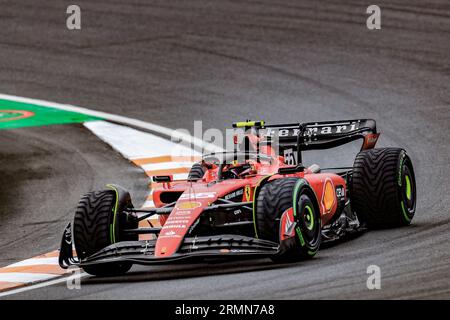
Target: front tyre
[383, 190]
[293, 197]
[97, 224]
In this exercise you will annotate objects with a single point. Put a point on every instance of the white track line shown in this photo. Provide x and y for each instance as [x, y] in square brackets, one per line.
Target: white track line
[35, 262]
[134, 144]
[166, 165]
[149, 204]
[180, 176]
[43, 284]
[25, 277]
[199, 143]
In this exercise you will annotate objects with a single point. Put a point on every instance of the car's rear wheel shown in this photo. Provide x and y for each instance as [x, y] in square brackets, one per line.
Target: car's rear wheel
[383, 188]
[276, 198]
[98, 223]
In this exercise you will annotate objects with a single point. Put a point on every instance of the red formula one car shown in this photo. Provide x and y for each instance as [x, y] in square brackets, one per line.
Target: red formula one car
[255, 201]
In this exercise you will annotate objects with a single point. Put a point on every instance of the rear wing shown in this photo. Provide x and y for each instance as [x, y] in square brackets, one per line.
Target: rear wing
[324, 135]
[298, 137]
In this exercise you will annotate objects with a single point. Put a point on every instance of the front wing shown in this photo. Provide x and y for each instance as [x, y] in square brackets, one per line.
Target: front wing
[143, 252]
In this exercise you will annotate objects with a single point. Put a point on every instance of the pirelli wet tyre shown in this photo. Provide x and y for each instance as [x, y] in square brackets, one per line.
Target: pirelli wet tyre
[98, 223]
[274, 199]
[383, 188]
[196, 173]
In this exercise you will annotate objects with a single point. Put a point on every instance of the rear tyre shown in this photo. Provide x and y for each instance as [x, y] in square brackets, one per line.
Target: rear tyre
[196, 173]
[383, 190]
[273, 200]
[98, 224]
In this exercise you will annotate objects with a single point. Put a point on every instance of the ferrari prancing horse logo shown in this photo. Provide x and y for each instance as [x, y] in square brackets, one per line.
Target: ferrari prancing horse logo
[247, 193]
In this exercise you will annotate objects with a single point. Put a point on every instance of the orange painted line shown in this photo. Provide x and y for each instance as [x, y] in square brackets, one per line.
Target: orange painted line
[48, 255]
[167, 171]
[145, 237]
[160, 159]
[154, 185]
[4, 286]
[42, 268]
[146, 224]
[157, 184]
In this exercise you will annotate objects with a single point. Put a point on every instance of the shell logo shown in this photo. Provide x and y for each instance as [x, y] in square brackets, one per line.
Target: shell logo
[189, 205]
[329, 196]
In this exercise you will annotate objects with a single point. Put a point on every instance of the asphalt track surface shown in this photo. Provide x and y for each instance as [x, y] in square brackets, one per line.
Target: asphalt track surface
[173, 62]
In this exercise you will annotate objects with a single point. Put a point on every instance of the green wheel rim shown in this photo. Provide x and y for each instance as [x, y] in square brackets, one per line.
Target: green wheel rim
[408, 193]
[408, 187]
[309, 218]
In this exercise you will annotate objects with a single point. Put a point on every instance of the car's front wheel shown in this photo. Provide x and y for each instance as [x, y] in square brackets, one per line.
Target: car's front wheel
[292, 199]
[98, 224]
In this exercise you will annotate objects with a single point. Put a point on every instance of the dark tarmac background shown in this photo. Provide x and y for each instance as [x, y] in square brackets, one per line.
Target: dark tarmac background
[173, 62]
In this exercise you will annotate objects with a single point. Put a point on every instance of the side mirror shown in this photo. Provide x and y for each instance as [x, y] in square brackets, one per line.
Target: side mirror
[163, 179]
[289, 170]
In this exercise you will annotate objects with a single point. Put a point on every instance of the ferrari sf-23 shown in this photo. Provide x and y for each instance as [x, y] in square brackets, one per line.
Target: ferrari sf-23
[257, 200]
